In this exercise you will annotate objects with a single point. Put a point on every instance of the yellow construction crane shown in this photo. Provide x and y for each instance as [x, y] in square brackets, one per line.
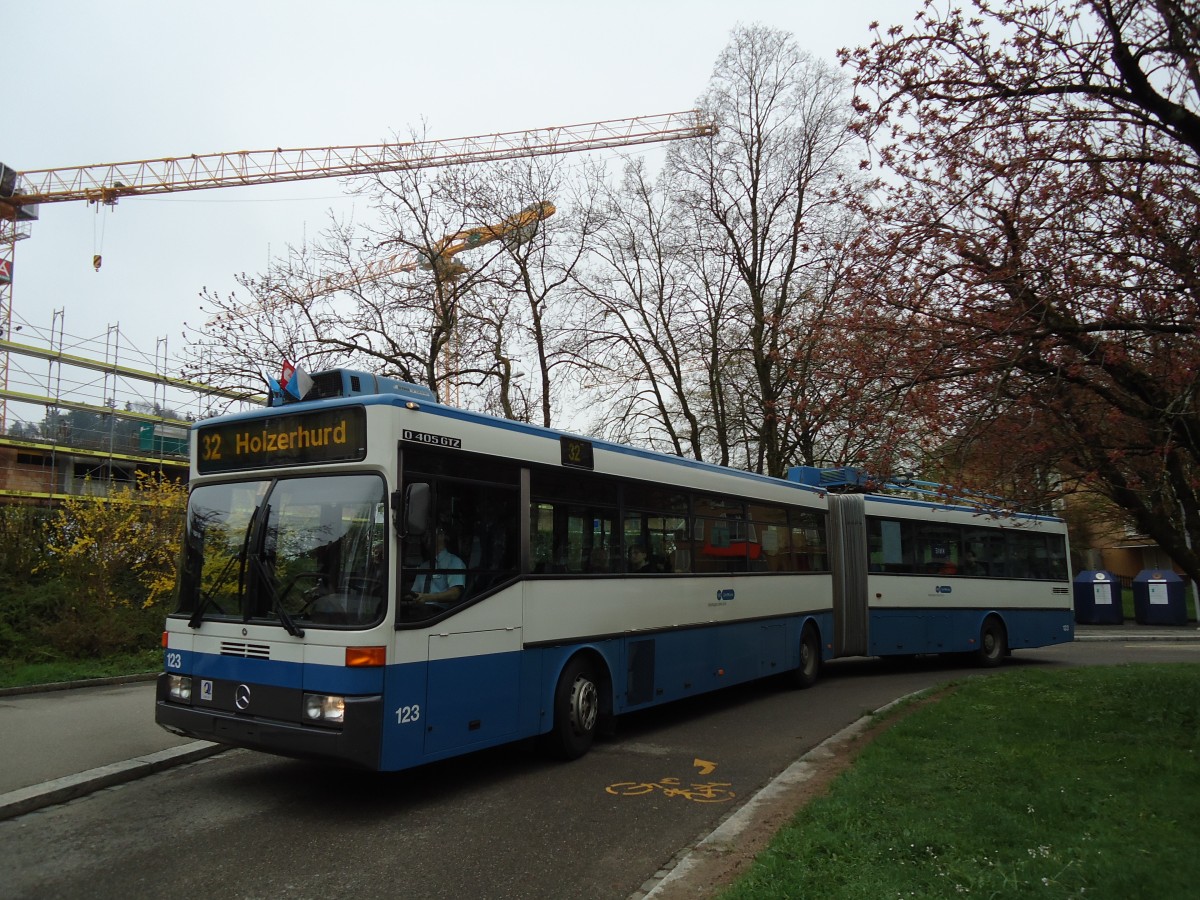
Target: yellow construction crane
[438, 258]
[22, 193]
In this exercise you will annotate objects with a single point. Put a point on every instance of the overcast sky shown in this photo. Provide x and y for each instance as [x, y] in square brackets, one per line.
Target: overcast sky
[97, 81]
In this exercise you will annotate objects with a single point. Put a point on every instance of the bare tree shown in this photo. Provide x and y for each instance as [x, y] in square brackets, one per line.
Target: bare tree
[762, 190]
[643, 324]
[530, 281]
[389, 298]
[332, 302]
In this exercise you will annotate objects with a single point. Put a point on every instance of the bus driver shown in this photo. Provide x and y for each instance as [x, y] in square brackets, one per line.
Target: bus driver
[445, 583]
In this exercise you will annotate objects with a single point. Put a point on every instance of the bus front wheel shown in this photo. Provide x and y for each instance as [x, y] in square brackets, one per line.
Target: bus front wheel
[576, 709]
[993, 643]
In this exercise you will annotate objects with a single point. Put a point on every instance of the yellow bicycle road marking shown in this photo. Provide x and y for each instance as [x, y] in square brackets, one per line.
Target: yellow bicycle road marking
[709, 792]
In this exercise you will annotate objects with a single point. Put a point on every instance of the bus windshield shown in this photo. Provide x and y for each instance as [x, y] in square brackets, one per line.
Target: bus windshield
[297, 552]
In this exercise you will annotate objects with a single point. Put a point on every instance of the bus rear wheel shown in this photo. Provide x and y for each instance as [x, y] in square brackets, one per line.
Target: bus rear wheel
[993, 643]
[810, 659]
[576, 709]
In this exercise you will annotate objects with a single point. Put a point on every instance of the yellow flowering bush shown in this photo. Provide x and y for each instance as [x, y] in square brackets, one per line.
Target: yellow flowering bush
[113, 559]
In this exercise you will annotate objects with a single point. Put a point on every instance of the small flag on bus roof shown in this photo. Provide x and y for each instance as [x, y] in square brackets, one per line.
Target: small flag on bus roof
[295, 381]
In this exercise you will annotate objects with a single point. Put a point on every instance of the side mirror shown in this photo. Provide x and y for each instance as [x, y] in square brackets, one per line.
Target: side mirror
[416, 510]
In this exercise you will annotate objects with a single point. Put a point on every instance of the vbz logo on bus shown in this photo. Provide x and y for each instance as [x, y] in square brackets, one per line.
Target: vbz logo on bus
[943, 589]
[725, 595]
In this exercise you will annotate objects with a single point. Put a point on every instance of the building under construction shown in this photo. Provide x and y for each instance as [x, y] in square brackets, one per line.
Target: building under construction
[82, 414]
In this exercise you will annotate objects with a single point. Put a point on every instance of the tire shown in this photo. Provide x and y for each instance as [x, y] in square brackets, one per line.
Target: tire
[993, 643]
[576, 710]
[810, 659]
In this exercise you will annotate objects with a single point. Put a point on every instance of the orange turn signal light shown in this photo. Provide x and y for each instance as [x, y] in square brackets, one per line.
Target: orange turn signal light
[366, 656]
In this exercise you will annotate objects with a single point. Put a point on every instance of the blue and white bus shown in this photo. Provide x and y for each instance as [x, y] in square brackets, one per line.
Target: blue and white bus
[374, 578]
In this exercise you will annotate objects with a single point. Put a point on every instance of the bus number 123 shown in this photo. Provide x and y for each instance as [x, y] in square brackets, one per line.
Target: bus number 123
[406, 715]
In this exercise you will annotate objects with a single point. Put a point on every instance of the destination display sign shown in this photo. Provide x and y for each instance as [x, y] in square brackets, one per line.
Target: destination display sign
[302, 439]
[576, 453]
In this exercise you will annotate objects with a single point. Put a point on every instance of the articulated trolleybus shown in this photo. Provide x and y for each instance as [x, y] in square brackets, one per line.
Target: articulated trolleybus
[374, 578]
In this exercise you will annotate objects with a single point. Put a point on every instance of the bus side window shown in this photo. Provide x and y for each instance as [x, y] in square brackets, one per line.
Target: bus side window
[680, 555]
[892, 546]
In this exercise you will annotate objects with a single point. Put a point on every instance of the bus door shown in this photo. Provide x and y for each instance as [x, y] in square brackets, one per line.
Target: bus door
[457, 571]
[473, 688]
[848, 559]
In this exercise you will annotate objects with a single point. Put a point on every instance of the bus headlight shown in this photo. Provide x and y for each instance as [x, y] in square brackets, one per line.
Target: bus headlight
[325, 708]
[180, 687]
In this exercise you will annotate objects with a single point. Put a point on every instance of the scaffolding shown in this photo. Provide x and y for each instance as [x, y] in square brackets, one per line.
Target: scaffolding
[83, 413]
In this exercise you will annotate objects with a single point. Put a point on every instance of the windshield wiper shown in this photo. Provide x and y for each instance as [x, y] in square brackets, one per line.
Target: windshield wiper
[264, 580]
[292, 628]
[206, 600]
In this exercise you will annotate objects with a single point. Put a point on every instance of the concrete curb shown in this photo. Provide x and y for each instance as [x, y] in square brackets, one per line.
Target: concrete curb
[1185, 633]
[60, 790]
[71, 685]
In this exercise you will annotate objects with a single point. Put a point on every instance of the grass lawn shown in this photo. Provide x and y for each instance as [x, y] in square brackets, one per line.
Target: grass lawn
[56, 671]
[1083, 783]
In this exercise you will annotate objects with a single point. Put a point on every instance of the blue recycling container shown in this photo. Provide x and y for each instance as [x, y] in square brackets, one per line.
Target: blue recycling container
[1159, 598]
[1097, 598]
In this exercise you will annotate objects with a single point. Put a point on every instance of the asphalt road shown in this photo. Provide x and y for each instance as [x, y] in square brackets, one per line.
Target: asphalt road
[499, 824]
[55, 734]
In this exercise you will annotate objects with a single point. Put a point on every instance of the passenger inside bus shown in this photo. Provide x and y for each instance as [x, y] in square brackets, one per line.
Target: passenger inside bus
[972, 565]
[639, 562]
[443, 579]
